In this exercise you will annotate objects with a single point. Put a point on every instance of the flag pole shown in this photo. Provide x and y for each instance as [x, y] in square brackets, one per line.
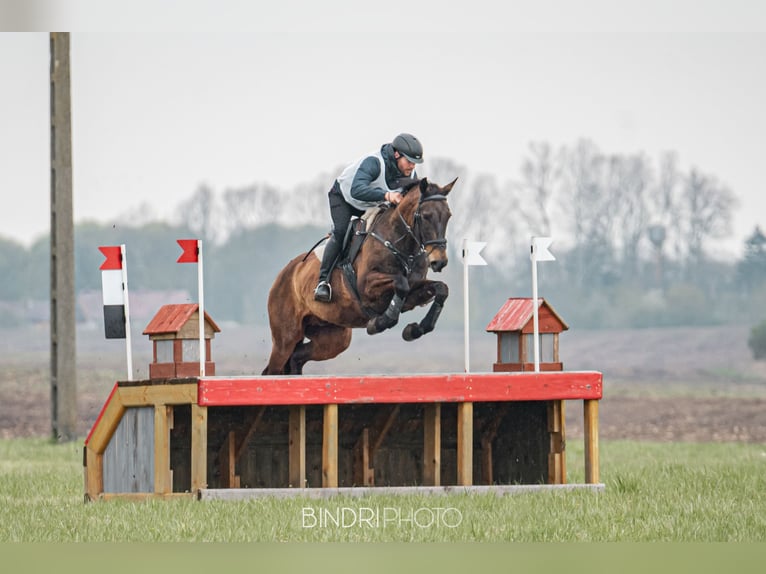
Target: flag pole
[466, 348]
[536, 330]
[201, 296]
[128, 344]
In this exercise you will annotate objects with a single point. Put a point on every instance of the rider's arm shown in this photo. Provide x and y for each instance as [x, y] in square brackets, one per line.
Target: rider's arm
[362, 188]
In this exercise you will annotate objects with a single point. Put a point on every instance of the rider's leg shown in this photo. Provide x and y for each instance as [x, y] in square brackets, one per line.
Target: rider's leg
[341, 213]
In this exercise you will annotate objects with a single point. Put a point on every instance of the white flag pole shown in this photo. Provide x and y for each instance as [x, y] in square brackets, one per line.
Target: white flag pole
[471, 250]
[466, 348]
[539, 252]
[201, 294]
[536, 331]
[128, 344]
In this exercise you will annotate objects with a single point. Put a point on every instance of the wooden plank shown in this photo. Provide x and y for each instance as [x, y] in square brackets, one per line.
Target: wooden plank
[590, 412]
[364, 474]
[381, 434]
[445, 388]
[465, 444]
[162, 478]
[488, 435]
[233, 494]
[330, 447]
[242, 444]
[227, 459]
[94, 473]
[432, 444]
[148, 395]
[198, 447]
[143, 496]
[297, 446]
[557, 452]
[106, 423]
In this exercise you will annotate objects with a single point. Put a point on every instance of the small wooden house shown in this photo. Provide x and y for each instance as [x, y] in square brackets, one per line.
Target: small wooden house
[514, 325]
[174, 332]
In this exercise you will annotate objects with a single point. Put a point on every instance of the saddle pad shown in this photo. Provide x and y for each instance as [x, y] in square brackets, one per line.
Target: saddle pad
[368, 217]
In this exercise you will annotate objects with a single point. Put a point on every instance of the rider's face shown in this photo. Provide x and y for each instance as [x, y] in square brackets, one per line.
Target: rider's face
[405, 166]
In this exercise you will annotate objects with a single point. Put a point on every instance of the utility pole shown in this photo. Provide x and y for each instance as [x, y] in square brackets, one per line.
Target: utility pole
[63, 343]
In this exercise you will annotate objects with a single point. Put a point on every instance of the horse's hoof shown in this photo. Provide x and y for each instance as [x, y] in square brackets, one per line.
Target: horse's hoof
[372, 328]
[412, 332]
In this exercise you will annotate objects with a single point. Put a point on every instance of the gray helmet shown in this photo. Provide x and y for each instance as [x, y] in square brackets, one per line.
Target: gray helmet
[409, 146]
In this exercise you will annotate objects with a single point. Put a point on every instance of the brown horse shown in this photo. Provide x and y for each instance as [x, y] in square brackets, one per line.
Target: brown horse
[390, 271]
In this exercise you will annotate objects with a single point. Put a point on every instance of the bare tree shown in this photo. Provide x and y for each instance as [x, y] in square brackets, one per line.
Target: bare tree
[631, 177]
[709, 207]
[539, 172]
[199, 213]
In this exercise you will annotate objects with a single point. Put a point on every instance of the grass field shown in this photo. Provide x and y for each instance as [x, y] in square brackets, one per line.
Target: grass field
[654, 492]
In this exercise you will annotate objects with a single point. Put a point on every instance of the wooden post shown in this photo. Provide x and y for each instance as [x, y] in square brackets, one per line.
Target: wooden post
[330, 447]
[63, 382]
[198, 447]
[227, 458]
[465, 444]
[557, 473]
[590, 416]
[297, 446]
[432, 444]
[94, 473]
[162, 424]
[364, 474]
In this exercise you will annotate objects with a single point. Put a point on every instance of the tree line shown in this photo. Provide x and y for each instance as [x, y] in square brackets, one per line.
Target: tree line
[634, 239]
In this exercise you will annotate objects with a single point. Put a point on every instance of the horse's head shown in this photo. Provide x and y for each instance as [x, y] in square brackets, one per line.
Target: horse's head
[425, 208]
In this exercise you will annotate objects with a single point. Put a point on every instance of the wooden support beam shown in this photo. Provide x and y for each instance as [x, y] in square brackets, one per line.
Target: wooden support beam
[432, 444]
[254, 420]
[487, 437]
[465, 444]
[590, 416]
[227, 460]
[94, 473]
[381, 434]
[364, 474]
[557, 473]
[149, 395]
[198, 447]
[297, 446]
[330, 447]
[163, 482]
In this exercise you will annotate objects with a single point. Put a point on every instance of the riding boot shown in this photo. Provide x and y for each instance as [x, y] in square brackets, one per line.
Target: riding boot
[323, 291]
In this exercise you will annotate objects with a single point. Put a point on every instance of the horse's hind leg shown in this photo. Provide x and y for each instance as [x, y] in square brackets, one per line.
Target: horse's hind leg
[325, 342]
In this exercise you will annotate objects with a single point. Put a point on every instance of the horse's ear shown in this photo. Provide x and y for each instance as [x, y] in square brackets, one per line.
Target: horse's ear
[447, 188]
[423, 186]
[408, 183]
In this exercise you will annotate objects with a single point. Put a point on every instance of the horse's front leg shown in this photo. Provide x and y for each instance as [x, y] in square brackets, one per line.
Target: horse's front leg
[420, 295]
[390, 316]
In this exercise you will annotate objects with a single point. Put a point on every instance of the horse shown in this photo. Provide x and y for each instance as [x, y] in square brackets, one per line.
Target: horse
[387, 277]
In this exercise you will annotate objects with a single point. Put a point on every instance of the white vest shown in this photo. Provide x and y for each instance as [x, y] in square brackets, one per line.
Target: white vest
[346, 179]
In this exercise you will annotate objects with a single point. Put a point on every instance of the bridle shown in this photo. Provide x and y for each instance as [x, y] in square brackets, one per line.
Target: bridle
[415, 232]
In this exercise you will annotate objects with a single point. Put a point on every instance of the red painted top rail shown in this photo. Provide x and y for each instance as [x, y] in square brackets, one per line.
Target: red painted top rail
[436, 388]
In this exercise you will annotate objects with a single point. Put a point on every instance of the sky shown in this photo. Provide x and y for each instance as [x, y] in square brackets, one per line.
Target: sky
[190, 93]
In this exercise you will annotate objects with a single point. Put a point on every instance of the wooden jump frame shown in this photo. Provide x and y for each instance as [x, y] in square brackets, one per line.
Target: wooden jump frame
[156, 400]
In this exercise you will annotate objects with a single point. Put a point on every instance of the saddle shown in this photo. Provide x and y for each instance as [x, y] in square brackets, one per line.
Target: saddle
[356, 233]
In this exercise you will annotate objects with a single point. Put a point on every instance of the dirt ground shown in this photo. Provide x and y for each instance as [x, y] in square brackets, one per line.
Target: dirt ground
[660, 385]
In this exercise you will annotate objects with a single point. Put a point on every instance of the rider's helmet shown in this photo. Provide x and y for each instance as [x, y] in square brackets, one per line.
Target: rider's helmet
[409, 146]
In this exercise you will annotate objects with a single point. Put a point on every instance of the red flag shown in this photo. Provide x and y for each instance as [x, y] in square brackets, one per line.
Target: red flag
[191, 252]
[113, 258]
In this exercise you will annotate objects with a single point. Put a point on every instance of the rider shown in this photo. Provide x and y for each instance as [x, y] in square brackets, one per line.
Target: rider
[365, 183]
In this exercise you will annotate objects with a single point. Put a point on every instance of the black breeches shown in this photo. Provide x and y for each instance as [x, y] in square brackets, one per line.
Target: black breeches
[341, 213]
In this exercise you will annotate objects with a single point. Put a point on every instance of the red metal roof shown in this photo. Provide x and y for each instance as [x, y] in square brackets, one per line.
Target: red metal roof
[516, 313]
[170, 319]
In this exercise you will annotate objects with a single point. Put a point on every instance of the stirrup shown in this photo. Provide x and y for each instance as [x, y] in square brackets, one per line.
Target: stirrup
[323, 292]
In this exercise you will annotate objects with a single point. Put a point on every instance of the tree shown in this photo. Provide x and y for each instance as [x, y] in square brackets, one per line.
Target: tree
[751, 270]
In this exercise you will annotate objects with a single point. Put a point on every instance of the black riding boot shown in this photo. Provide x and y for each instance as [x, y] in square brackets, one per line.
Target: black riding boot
[323, 291]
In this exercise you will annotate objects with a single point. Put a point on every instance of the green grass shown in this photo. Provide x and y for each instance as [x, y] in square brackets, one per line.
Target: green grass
[654, 492]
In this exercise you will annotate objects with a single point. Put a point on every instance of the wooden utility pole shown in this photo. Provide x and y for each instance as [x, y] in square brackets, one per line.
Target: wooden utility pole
[63, 343]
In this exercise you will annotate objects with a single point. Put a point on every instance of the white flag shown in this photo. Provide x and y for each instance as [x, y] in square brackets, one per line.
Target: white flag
[471, 251]
[540, 247]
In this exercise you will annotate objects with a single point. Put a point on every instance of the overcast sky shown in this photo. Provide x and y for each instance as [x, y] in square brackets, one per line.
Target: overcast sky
[283, 93]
